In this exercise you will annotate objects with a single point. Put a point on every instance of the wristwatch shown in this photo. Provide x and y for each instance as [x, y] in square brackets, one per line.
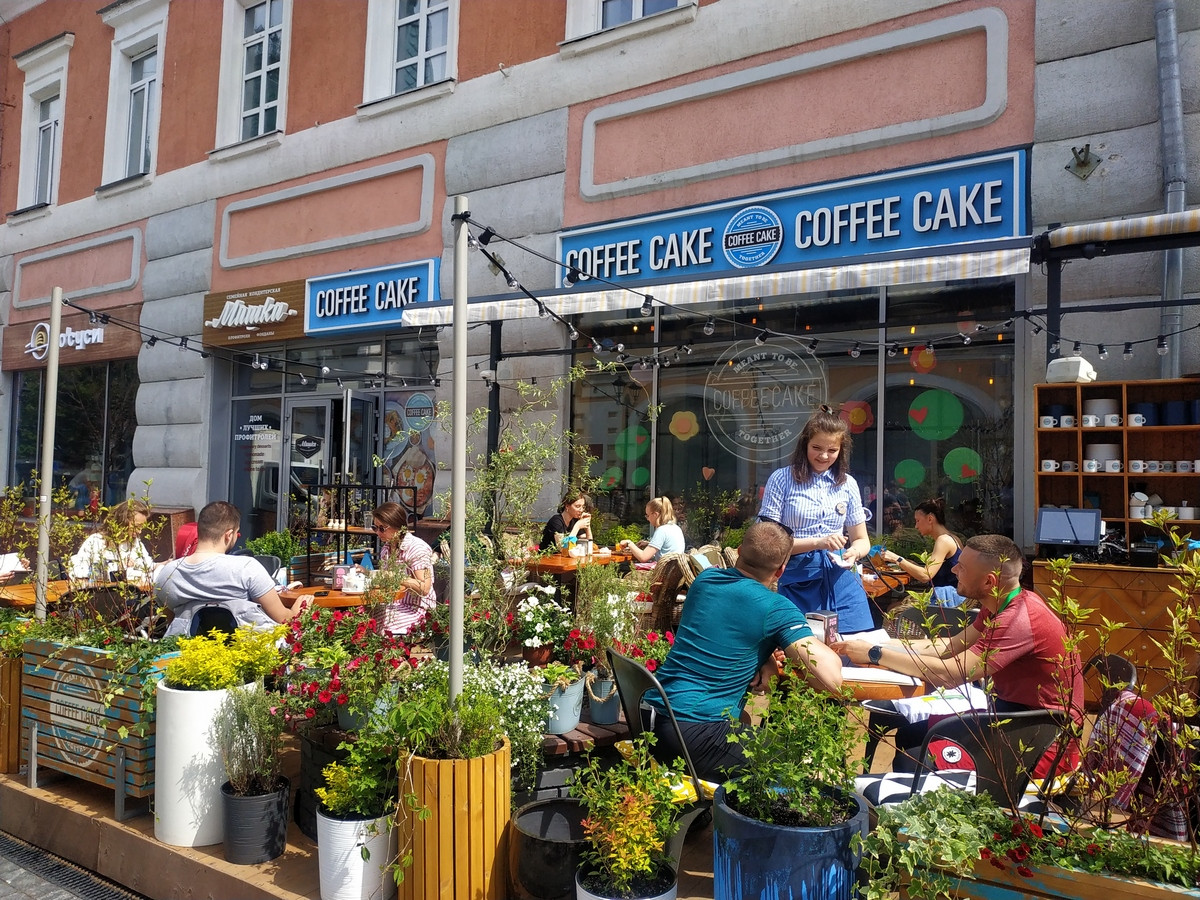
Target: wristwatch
[874, 655]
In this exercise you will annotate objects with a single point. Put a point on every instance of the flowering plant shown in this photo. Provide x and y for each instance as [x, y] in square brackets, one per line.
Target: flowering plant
[650, 649]
[582, 649]
[539, 619]
[217, 660]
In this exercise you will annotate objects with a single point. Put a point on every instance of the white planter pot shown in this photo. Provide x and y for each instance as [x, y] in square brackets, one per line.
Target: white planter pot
[345, 875]
[582, 893]
[187, 769]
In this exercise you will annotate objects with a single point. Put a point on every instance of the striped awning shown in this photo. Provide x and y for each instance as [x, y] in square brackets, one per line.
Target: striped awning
[1136, 234]
[970, 265]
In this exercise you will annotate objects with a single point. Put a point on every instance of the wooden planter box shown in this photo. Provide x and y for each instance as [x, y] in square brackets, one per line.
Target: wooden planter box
[461, 849]
[10, 715]
[63, 691]
[1053, 883]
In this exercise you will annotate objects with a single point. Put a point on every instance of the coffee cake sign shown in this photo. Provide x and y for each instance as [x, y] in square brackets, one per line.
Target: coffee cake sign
[758, 397]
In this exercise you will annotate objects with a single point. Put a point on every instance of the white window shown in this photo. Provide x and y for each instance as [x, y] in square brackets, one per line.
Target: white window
[607, 21]
[252, 100]
[410, 46]
[43, 98]
[134, 87]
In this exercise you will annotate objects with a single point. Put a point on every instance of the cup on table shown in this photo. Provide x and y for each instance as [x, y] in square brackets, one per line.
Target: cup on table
[1112, 420]
[1091, 421]
[1153, 466]
[1137, 465]
[1137, 419]
[1051, 465]
[1091, 465]
[1112, 465]
[1166, 465]
[1068, 465]
[1048, 422]
[1066, 421]
[1184, 465]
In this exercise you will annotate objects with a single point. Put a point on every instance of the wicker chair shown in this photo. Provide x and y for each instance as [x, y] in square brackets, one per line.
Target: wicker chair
[667, 590]
[731, 556]
[713, 554]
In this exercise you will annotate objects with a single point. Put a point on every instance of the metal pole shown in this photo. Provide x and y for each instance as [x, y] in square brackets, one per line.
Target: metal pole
[46, 474]
[458, 465]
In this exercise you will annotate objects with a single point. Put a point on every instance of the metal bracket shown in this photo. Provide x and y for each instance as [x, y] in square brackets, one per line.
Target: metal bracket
[1083, 163]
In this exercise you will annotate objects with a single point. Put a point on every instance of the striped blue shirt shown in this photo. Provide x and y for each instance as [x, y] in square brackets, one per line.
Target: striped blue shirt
[817, 507]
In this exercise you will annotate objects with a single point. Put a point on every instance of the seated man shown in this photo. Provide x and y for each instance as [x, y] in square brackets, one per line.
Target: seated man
[208, 576]
[732, 623]
[1016, 640]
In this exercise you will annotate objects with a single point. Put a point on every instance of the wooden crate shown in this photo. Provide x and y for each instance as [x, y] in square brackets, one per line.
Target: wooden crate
[64, 691]
[10, 715]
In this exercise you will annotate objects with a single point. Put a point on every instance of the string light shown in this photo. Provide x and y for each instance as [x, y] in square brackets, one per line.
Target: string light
[183, 345]
[513, 284]
[1077, 349]
[254, 365]
[761, 338]
[573, 275]
[856, 350]
[687, 349]
[1127, 353]
[1054, 348]
[324, 370]
[710, 327]
[152, 341]
[891, 350]
[485, 236]
[966, 338]
[303, 379]
[339, 384]
[573, 334]
[647, 306]
[812, 346]
[1162, 349]
[1103, 351]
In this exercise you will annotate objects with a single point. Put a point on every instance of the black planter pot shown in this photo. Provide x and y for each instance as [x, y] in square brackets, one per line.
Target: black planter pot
[544, 850]
[752, 858]
[255, 827]
[317, 750]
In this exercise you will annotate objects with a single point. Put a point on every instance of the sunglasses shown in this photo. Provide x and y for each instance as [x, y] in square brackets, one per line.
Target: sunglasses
[789, 531]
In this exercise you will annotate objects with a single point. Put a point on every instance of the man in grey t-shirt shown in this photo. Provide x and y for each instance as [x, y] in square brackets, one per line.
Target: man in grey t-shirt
[209, 576]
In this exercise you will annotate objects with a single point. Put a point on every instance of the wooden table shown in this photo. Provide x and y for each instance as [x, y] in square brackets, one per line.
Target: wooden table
[24, 596]
[877, 587]
[558, 564]
[890, 688]
[322, 596]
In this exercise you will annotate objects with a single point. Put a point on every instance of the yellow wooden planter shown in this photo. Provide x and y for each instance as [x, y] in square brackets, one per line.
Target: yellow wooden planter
[1053, 883]
[461, 850]
[10, 715]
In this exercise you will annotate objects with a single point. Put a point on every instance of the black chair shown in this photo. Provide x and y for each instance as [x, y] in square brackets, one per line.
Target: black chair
[634, 682]
[271, 563]
[1112, 673]
[213, 617]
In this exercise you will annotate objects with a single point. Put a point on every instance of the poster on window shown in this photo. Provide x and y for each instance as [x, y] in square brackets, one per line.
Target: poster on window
[409, 462]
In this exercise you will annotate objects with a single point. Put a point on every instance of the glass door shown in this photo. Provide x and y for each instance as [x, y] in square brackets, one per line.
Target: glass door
[360, 438]
[308, 456]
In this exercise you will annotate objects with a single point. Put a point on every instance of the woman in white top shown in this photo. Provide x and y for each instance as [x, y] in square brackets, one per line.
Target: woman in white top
[667, 536]
[116, 550]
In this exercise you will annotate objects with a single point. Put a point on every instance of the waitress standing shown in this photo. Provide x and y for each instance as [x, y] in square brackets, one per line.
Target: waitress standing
[817, 499]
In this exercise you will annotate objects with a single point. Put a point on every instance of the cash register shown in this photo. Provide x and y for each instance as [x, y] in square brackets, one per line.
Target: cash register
[1063, 532]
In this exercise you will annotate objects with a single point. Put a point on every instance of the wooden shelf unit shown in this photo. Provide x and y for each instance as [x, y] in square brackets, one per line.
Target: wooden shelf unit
[1111, 490]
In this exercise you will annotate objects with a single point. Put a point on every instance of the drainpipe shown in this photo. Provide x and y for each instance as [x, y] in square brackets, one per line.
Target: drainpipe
[1174, 162]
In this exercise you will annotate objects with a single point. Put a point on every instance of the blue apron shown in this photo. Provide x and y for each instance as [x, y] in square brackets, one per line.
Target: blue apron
[813, 581]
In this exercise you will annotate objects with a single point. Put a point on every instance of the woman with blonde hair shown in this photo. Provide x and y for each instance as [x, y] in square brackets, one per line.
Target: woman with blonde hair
[397, 543]
[667, 536]
[116, 550]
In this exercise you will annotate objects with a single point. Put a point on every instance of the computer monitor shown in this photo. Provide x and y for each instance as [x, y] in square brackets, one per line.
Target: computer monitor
[1077, 527]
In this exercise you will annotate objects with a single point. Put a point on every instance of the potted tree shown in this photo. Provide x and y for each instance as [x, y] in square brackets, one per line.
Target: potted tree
[787, 820]
[630, 815]
[249, 739]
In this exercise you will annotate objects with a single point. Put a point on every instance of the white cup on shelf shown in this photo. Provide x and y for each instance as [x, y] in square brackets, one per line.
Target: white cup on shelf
[1066, 421]
[1048, 422]
[1136, 419]
[1153, 467]
[1051, 465]
[1166, 465]
[1112, 420]
[1091, 465]
[1112, 465]
[1138, 511]
[1091, 421]
[1184, 465]
[1137, 466]
[1068, 465]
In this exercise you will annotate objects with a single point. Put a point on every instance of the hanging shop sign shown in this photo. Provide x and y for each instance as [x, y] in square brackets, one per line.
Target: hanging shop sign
[368, 299]
[757, 397]
[260, 315]
[115, 335]
[978, 199]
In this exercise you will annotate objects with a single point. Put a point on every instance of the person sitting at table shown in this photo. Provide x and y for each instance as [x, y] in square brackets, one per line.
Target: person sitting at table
[22, 569]
[816, 497]
[573, 520]
[116, 551]
[400, 546]
[667, 536]
[938, 571]
[208, 576]
[732, 624]
[1016, 640]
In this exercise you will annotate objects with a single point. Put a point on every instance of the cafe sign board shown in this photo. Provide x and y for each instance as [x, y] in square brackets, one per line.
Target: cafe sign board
[939, 205]
[113, 335]
[260, 315]
[369, 299]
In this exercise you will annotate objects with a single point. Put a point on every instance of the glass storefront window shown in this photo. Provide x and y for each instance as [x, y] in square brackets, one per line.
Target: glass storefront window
[93, 433]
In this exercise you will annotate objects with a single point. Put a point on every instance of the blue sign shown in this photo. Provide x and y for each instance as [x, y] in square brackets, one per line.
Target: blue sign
[368, 299]
[977, 199]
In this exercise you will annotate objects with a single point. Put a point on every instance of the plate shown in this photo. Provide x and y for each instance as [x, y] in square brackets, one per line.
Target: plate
[353, 593]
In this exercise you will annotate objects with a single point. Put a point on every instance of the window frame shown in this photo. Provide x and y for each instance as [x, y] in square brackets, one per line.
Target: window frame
[139, 28]
[45, 70]
[380, 61]
[229, 96]
[585, 33]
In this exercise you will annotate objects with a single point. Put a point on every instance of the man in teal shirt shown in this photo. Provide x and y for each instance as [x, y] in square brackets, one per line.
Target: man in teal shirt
[732, 623]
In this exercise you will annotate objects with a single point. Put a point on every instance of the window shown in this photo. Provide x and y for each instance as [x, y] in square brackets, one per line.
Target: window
[592, 24]
[262, 55]
[617, 12]
[43, 97]
[134, 88]
[252, 100]
[410, 46]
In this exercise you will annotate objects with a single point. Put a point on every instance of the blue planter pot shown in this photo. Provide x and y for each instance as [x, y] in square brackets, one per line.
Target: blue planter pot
[607, 709]
[565, 706]
[754, 859]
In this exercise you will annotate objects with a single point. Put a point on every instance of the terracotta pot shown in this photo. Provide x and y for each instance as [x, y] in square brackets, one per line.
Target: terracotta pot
[536, 656]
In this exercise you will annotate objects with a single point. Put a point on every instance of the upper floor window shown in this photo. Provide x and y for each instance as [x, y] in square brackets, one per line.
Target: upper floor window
[617, 12]
[134, 87]
[595, 23]
[262, 55]
[252, 98]
[43, 98]
[410, 45]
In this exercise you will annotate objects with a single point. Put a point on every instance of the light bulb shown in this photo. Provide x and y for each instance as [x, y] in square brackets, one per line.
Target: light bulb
[512, 282]
[1077, 349]
[1162, 349]
[324, 370]
[1054, 348]
[966, 338]
[812, 346]
[891, 350]
[1127, 353]
[647, 306]
[1102, 350]
[856, 350]
[761, 338]
[182, 344]
[303, 379]
[710, 327]
[255, 364]
[573, 334]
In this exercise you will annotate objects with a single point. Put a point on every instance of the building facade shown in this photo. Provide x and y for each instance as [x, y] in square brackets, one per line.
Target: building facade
[745, 209]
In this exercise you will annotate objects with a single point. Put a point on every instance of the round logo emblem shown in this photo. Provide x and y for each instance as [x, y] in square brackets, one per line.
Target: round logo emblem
[418, 410]
[77, 714]
[752, 237]
[757, 398]
[39, 341]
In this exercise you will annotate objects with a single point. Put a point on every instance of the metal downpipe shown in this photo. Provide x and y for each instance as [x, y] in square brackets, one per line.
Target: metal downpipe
[1174, 162]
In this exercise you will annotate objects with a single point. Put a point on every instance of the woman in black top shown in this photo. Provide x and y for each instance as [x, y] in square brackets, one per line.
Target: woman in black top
[573, 519]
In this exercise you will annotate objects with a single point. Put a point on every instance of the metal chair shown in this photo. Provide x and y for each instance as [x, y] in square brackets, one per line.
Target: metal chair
[1113, 673]
[271, 563]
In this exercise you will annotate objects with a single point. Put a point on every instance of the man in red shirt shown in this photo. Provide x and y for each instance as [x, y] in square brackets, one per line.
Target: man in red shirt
[1016, 640]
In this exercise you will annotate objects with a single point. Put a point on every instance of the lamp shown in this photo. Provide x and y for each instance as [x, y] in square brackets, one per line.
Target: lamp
[1161, 349]
[573, 334]
[647, 306]
[485, 236]
[1077, 349]
[856, 350]
[1102, 350]
[1127, 353]
[761, 337]
[710, 327]
[573, 275]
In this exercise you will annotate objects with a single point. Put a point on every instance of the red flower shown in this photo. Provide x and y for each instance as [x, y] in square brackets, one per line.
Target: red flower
[310, 713]
[342, 699]
[1025, 871]
[995, 861]
[651, 665]
[1016, 828]
[335, 684]
[1035, 829]
[671, 638]
[651, 637]
[325, 696]
[985, 853]
[1092, 849]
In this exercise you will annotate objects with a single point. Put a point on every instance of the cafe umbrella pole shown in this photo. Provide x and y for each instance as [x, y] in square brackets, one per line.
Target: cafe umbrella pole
[458, 467]
[46, 473]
